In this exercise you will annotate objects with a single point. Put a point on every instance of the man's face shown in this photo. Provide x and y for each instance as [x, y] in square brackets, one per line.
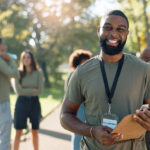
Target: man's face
[3, 47]
[113, 34]
[145, 55]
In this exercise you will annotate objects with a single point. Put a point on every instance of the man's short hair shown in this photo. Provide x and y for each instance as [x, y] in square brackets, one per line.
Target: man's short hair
[118, 13]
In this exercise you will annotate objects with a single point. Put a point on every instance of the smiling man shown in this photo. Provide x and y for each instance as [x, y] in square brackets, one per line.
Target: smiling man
[111, 86]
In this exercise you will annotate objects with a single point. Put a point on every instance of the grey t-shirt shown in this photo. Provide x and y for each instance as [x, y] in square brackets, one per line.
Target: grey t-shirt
[133, 87]
[7, 70]
[67, 81]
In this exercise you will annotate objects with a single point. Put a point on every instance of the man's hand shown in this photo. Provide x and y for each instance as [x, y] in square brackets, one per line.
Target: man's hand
[104, 136]
[143, 118]
[5, 57]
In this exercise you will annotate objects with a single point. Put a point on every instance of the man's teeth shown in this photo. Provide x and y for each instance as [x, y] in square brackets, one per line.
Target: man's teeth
[112, 41]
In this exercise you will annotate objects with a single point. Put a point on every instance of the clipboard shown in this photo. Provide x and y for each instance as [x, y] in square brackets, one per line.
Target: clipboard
[129, 128]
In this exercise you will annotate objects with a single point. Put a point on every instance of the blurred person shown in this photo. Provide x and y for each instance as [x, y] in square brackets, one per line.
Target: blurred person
[8, 69]
[111, 86]
[77, 58]
[28, 89]
[145, 56]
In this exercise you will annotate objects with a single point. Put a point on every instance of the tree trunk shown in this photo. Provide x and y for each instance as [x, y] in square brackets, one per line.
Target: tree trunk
[41, 62]
[137, 35]
[146, 23]
[43, 66]
[138, 39]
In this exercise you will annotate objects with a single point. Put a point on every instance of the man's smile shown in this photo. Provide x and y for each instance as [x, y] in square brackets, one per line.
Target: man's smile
[112, 42]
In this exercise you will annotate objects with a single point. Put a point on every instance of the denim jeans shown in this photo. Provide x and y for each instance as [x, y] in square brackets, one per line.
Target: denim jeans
[5, 125]
[75, 137]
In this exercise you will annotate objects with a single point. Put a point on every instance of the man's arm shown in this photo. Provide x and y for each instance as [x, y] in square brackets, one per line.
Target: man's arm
[8, 67]
[70, 122]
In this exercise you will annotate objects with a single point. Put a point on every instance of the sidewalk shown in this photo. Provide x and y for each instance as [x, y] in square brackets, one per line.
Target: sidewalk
[51, 135]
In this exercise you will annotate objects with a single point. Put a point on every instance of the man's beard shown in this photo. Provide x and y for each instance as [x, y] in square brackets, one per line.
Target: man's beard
[111, 50]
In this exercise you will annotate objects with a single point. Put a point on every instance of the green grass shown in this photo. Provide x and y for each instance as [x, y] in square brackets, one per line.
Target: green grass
[49, 100]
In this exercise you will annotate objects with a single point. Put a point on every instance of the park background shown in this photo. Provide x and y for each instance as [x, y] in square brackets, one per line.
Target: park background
[53, 29]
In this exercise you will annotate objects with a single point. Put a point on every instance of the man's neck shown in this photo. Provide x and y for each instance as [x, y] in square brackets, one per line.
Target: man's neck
[111, 58]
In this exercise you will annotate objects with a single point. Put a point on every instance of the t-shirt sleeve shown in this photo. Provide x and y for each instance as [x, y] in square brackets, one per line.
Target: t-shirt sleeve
[9, 68]
[147, 82]
[67, 81]
[40, 83]
[74, 92]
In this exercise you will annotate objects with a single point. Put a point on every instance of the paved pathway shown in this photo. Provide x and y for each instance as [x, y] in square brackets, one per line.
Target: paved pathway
[51, 135]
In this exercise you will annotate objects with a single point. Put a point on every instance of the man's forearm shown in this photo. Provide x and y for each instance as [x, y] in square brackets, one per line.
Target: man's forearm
[72, 123]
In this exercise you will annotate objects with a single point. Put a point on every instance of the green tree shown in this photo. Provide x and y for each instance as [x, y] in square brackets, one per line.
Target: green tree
[137, 13]
[57, 30]
[51, 31]
[147, 33]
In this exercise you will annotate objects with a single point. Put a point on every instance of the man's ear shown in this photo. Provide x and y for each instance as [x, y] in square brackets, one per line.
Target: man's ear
[98, 31]
[127, 32]
[98, 28]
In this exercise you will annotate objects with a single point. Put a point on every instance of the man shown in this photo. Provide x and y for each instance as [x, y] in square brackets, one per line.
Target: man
[8, 69]
[145, 56]
[111, 86]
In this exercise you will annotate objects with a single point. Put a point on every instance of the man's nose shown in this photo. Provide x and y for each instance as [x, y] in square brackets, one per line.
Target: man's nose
[114, 32]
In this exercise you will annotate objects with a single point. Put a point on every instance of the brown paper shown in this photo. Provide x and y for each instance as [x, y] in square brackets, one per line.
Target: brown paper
[129, 128]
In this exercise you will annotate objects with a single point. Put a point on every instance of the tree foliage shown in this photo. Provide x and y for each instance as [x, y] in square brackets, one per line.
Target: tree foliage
[138, 15]
[52, 31]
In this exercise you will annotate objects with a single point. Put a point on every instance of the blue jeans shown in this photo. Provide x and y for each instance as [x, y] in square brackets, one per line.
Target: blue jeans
[5, 125]
[75, 137]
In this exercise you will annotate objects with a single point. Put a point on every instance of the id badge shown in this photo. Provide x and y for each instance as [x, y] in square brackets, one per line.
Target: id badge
[109, 120]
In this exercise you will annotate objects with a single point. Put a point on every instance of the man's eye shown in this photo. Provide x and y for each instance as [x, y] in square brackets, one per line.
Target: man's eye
[107, 28]
[121, 30]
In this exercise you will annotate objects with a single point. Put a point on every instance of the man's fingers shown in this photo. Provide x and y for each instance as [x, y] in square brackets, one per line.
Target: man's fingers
[143, 123]
[105, 128]
[117, 136]
[147, 113]
[109, 139]
[143, 115]
[137, 118]
[107, 142]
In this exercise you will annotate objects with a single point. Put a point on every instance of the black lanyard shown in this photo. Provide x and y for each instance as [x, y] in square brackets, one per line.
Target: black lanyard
[108, 92]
